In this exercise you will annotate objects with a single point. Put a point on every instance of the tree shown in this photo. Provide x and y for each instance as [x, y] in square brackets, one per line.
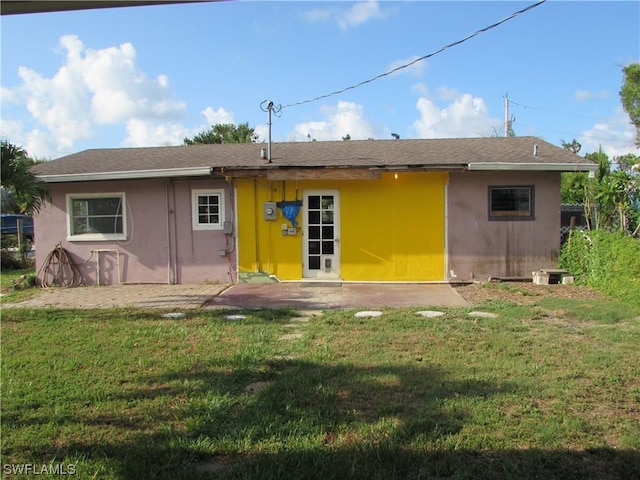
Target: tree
[573, 184]
[225, 133]
[573, 146]
[29, 193]
[630, 95]
[611, 198]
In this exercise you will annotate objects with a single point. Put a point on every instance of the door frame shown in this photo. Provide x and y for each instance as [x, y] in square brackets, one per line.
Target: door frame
[321, 274]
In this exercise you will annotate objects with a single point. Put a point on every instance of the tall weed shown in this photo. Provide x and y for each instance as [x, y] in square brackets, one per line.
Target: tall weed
[607, 261]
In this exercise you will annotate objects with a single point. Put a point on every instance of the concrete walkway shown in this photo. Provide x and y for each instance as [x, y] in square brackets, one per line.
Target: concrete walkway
[304, 296]
[109, 296]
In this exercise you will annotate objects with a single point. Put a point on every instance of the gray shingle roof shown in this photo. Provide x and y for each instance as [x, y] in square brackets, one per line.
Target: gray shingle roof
[478, 153]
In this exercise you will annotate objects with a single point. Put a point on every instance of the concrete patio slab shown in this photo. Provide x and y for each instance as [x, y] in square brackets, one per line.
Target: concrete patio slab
[319, 296]
[310, 298]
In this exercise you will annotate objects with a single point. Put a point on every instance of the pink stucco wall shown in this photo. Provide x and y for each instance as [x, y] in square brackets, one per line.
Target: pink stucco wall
[479, 248]
[149, 254]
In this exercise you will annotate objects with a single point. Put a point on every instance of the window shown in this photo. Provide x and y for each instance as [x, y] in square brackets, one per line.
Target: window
[511, 203]
[96, 216]
[208, 209]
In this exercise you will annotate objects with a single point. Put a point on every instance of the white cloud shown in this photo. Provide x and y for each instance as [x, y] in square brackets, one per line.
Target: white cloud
[10, 129]
[357, 14]
[464, 116]
[146, 133]
[151, 132]
[217, 116]
[360, 13]
[585, 95]
[263, 132]
[448, 94]
[421, 89]
[615, 135]
[347, 118]
[59, 104]
[91, 88]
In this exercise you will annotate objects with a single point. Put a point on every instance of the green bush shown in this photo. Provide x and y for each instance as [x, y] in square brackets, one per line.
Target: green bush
[12, 260]
[607, 261]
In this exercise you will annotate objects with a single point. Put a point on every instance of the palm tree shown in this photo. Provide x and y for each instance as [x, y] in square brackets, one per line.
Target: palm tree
[30, 192]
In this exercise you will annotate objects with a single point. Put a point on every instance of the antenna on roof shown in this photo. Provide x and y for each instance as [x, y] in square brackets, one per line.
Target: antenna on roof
[270, 107]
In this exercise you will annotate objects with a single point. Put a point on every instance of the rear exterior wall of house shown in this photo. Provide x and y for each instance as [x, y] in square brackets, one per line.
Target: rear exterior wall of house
[483, 245]
[157, 240]
[387, 229]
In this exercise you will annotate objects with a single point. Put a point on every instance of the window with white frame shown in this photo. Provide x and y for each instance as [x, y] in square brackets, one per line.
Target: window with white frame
[96, 216]
[511, 203]
[208, 209]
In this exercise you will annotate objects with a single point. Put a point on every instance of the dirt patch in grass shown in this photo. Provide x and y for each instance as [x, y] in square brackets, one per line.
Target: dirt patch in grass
[523, 293]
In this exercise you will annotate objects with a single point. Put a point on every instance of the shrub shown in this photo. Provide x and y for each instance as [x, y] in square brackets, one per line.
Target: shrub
[11, 259]
[604, 260]
[24, 282]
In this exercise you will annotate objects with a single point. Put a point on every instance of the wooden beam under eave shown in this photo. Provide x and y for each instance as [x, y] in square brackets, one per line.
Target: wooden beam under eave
[324, 174]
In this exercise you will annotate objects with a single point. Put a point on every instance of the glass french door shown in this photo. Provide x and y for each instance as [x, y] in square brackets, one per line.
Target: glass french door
[321, 241]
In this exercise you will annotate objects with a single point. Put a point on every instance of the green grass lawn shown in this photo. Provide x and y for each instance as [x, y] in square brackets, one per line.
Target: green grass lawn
[548, 390]
[8, 279]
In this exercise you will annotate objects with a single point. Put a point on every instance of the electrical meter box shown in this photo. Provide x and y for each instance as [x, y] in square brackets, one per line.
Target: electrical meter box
[270, 211]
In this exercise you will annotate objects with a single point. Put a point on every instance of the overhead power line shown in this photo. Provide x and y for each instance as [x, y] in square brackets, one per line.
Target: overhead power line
[424, 57]
[511, 102]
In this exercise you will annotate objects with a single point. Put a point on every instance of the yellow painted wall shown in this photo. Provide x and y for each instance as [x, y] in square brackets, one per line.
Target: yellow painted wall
[390, 229]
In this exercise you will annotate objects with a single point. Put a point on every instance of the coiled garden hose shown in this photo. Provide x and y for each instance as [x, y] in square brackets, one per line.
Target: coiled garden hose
[59, 269]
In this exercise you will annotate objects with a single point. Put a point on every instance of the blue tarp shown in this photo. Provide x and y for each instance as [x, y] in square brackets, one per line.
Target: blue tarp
[290, 210]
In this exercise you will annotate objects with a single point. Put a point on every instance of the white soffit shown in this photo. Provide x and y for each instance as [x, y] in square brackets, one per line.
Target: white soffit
[546, 167]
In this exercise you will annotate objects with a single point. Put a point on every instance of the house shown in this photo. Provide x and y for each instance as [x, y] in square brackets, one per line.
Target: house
[372, 210]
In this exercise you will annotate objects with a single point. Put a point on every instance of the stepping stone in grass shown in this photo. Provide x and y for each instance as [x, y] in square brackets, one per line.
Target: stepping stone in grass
[299, 320]
[283, 358]
[291, 336]
[235, 317]
[368, 314]
[430, 313]
[483, 315]
[256, 387]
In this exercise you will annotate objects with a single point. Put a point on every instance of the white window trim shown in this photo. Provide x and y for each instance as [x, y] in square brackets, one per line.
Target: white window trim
[93, 237]
[196, 225]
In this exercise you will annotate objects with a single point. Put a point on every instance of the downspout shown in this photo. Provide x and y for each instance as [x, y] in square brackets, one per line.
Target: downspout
[236, 239]
[169, 272]
[257, 223]
[447, 273]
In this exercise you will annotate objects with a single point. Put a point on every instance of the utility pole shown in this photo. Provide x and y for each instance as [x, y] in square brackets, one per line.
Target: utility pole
[268, 107]
[506, 114]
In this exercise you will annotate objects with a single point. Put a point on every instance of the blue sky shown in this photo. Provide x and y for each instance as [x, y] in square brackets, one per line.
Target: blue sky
[147, 76]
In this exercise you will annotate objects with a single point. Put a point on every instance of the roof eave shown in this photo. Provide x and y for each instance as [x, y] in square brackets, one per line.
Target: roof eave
[127, 175]
[544, 167]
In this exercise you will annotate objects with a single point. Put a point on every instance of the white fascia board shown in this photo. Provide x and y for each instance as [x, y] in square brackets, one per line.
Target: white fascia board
[547, 167]
[127, 175]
